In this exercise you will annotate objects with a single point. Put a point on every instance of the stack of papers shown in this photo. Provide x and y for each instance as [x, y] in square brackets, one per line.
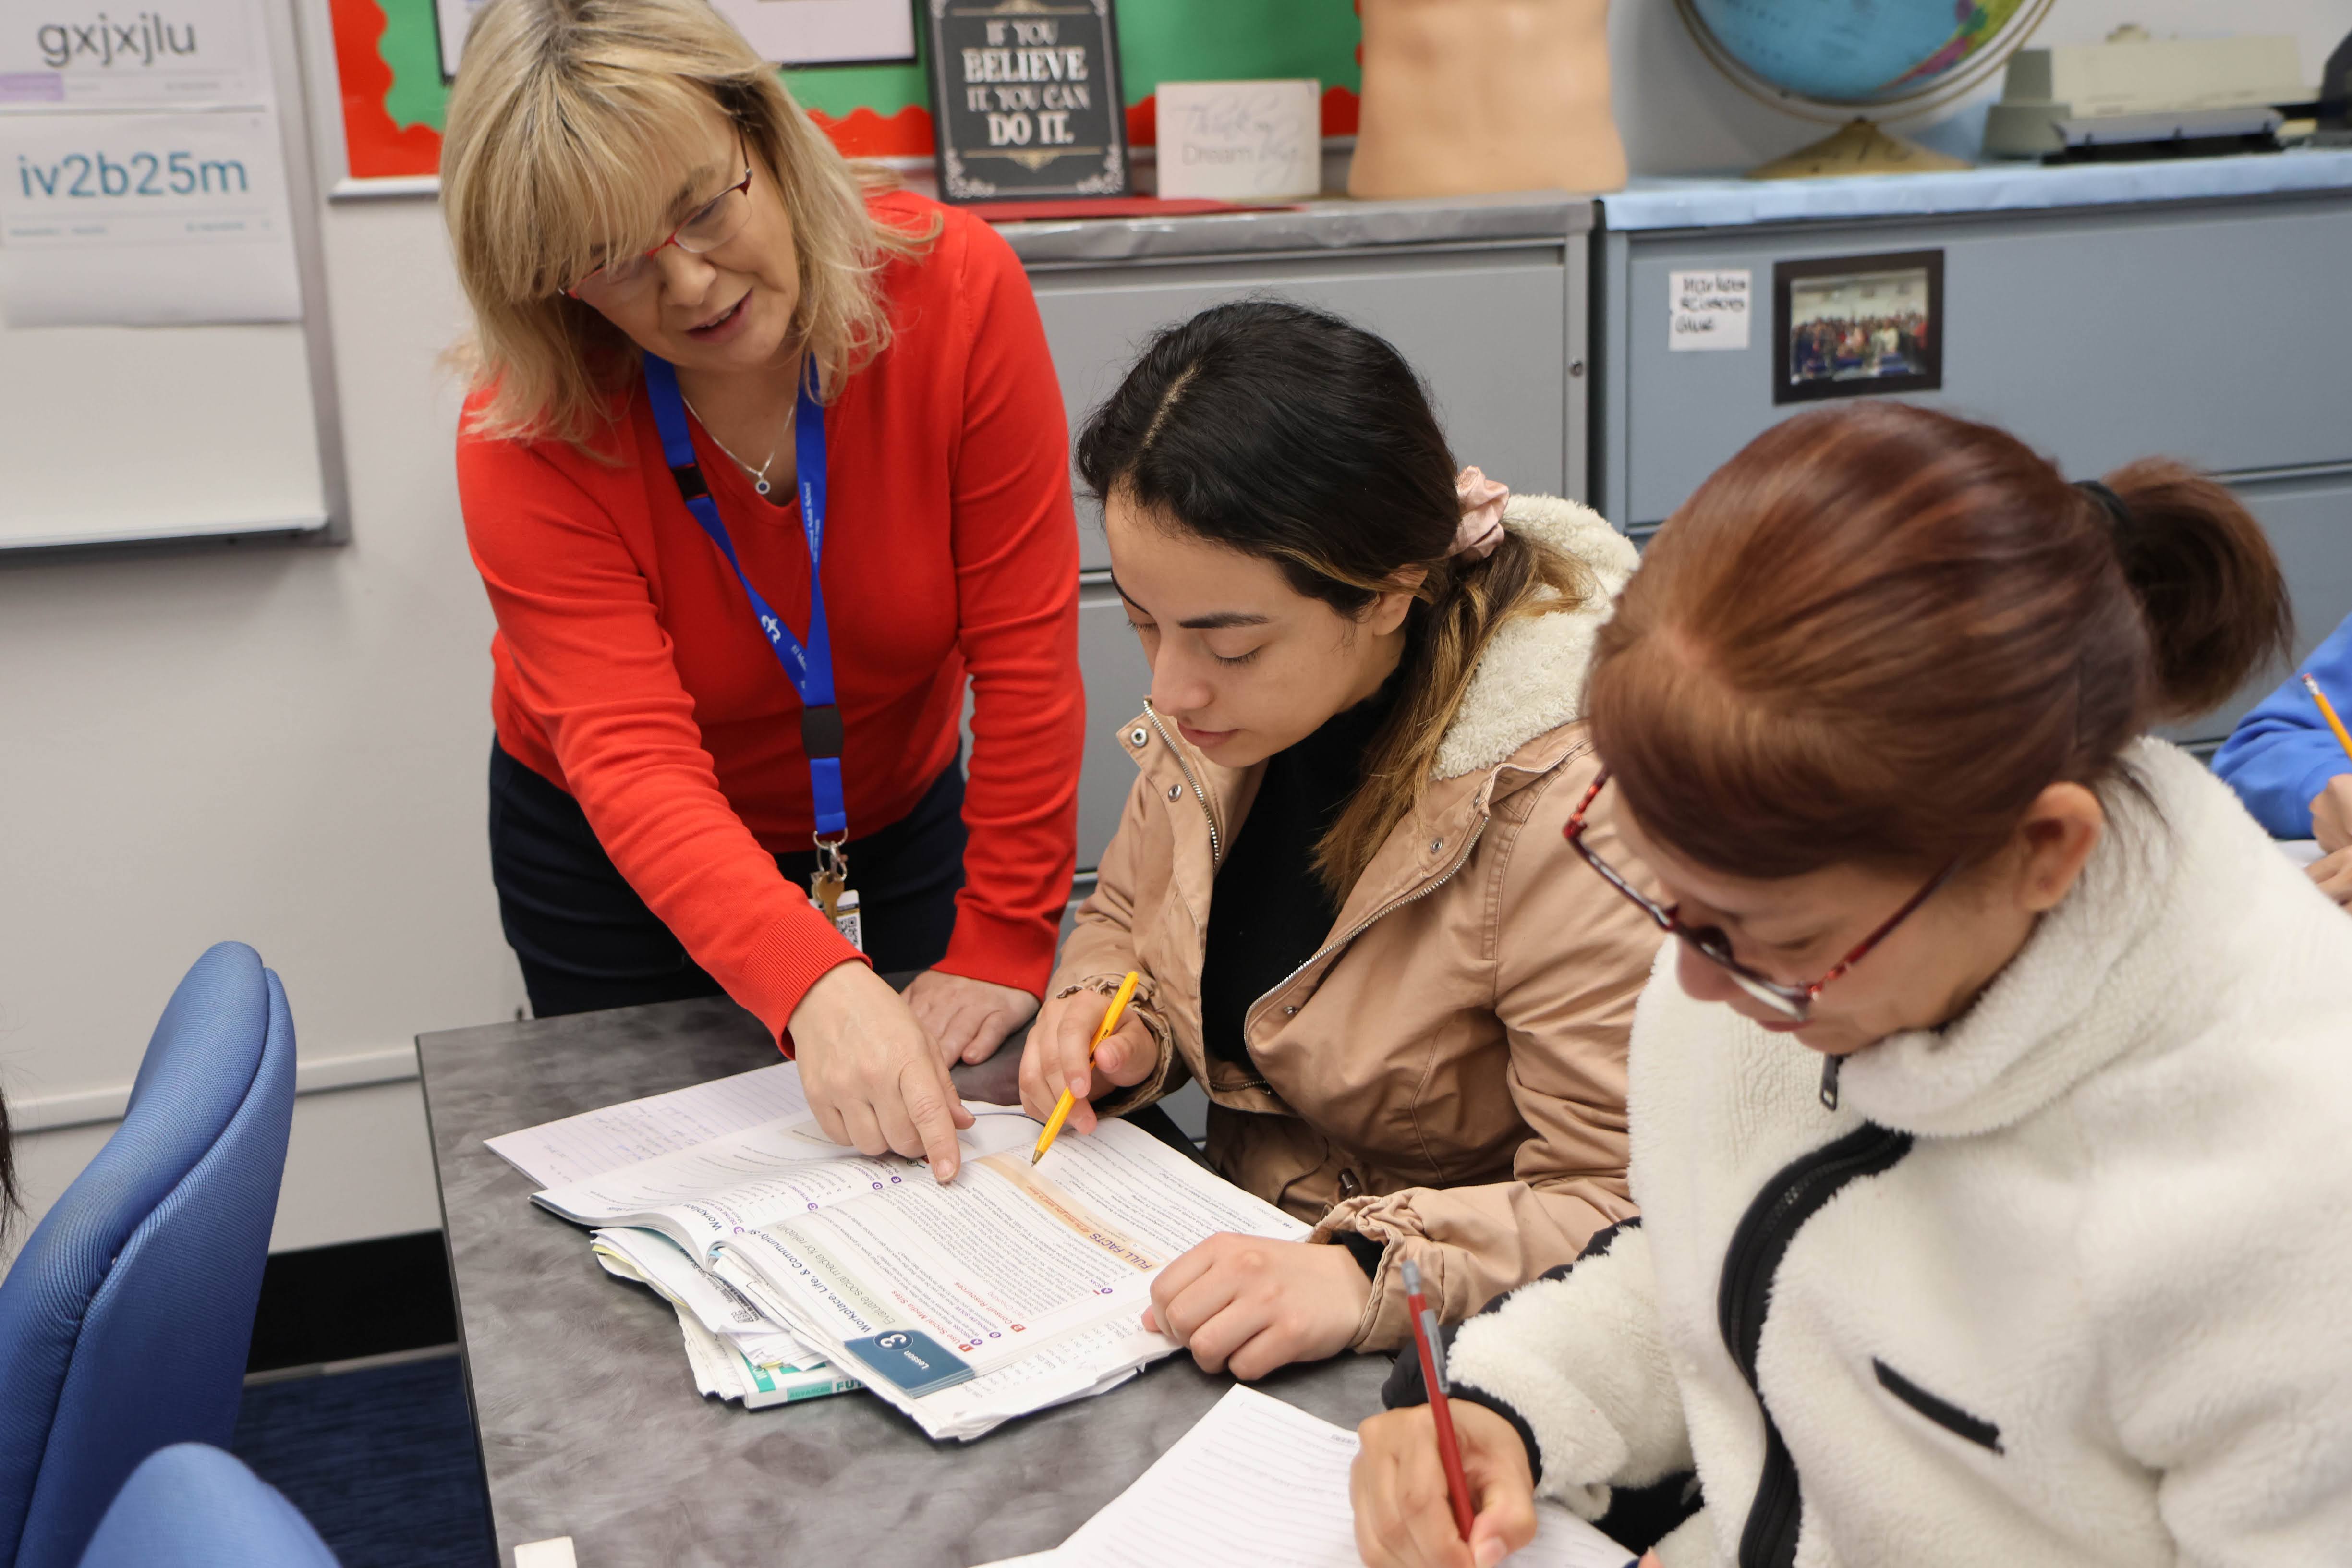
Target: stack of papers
[1013, 1289]
[1279, 1477]
[733, 1349]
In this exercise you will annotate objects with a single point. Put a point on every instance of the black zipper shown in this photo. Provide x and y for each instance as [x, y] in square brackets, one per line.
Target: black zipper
[1799, 1192]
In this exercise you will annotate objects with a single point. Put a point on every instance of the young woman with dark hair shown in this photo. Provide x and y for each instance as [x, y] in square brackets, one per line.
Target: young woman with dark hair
[1990, 1112]
[1340, 871]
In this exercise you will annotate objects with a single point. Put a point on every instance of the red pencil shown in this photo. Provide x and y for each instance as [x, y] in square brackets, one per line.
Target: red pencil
[1432, 1372]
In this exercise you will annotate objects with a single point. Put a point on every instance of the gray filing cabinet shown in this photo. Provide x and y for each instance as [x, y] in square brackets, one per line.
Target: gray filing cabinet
[1484, 296]
[2101, 313]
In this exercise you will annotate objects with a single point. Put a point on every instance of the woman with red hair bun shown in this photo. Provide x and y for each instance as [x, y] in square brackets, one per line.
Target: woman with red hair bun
[1990, 1114]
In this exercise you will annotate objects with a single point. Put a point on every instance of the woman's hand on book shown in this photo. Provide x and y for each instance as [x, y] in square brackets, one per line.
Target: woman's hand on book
[1404, 1518]
[871, 1073]
[967, 1018]
[1055, 1057]
[1247, 1305]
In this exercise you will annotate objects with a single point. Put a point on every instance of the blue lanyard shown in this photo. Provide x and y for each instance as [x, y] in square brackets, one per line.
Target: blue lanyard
[809, 667]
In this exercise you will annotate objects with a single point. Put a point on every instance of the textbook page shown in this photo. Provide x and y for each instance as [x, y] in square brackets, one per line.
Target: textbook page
[654, 1260]
[596, 1141]
[1279, 1477]
[701, 1195]
[1016, 1287]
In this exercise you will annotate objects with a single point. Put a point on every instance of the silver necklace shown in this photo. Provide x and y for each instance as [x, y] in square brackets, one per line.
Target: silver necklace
[760, 474]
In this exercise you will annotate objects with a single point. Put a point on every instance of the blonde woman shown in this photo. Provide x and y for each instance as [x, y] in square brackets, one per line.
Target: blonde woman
[718, 367]
[1340, 872]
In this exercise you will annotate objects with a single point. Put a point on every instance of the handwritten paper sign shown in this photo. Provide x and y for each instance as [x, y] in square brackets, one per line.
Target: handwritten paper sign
[1708, 310]
[1240, 140]
[1025, 99]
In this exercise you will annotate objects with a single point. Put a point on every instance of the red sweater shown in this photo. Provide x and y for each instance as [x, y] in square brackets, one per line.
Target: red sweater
[629, 670]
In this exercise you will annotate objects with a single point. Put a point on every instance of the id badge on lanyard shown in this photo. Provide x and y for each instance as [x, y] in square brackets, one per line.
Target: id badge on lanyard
[808, 666]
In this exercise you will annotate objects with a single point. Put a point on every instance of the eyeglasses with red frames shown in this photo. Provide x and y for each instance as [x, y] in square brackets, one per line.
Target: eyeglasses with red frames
[1794, 1003]
[706, 228]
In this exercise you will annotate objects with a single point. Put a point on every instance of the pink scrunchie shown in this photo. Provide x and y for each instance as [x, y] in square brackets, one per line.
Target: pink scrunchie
[1482, 501]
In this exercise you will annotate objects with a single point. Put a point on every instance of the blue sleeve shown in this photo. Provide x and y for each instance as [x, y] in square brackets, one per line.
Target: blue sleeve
[2282, 753]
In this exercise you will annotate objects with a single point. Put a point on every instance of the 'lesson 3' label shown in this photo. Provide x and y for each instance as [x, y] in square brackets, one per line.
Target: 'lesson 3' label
[914, 1361]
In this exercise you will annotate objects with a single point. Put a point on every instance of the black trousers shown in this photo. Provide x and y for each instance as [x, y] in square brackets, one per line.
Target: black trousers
[587, 942]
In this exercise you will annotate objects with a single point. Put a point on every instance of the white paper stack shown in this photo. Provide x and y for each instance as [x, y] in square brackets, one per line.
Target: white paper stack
[734, 1351]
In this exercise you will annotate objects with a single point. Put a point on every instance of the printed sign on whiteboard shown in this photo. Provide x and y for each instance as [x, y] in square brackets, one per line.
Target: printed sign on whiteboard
[77, 55]
[144, 220]
[1708, 310]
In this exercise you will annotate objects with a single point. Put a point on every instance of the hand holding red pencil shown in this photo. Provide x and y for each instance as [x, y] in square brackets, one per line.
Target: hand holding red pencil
[1463, 1501]
[1431, 1349]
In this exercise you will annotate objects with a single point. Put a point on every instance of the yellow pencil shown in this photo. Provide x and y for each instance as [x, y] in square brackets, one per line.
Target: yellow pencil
[1102, 1032]
[2327, 711]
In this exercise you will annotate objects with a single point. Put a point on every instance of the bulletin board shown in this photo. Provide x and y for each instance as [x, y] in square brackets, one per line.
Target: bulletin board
[392, 96]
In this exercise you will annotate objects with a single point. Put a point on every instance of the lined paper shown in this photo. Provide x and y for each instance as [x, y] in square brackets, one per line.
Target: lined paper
[1278, 1480]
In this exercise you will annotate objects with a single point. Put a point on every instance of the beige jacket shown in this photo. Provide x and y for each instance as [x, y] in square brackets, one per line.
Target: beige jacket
[1446, 1075]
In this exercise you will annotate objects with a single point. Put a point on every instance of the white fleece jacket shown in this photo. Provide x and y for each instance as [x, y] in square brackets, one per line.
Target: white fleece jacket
[2067, 1281]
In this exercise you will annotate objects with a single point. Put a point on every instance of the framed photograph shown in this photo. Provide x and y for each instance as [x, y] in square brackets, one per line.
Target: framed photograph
[1855, 326]
[1025, 104]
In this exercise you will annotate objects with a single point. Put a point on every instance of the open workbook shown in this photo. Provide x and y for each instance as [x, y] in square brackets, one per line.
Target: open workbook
[1279, 1479]
[1009, 1289]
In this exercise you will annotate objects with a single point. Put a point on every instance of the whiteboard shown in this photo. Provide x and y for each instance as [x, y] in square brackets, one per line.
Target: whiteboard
[129, 434]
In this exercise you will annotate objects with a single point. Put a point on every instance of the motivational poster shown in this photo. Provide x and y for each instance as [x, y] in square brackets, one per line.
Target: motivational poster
[1025, 99]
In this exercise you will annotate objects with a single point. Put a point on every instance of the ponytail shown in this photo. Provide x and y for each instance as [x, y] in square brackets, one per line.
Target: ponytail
[1879, 632]
[2208, 584]
[1289, 434]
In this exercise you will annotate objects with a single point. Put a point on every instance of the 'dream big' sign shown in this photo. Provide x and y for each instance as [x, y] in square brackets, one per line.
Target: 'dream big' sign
[1025, 99]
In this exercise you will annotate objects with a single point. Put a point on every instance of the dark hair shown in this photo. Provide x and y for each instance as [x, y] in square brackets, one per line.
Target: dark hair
[1879, 632]
[1289, 434]
[11, 1197]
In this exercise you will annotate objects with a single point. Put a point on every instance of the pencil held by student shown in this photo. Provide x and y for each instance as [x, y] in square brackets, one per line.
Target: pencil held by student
[1103, 1031]
[1404, 1518]
[1069, 1072]
[2290, 761]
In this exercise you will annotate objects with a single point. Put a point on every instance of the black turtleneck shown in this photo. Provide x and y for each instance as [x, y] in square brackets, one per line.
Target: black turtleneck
[1270, 912]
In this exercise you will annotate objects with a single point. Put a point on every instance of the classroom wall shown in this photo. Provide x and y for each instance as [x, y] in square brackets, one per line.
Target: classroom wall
[286, 745]
[282, 745]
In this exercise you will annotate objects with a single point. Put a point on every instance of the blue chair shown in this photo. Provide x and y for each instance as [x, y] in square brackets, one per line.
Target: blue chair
[125, 1321]
[194, 1506]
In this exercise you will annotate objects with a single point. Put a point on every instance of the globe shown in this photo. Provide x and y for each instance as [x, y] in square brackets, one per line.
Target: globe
[1834, 62]
[1861, 53]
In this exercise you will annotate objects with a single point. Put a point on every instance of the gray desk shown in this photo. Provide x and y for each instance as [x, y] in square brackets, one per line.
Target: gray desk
[589, 1423]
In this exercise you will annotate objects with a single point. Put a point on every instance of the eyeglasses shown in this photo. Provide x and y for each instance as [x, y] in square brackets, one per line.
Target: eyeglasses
[1794, 1003]
[707, 227]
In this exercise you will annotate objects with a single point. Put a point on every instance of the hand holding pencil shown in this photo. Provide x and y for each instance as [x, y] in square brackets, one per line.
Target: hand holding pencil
[2331, 810]
[1404, 1514]
[1063, 1053]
